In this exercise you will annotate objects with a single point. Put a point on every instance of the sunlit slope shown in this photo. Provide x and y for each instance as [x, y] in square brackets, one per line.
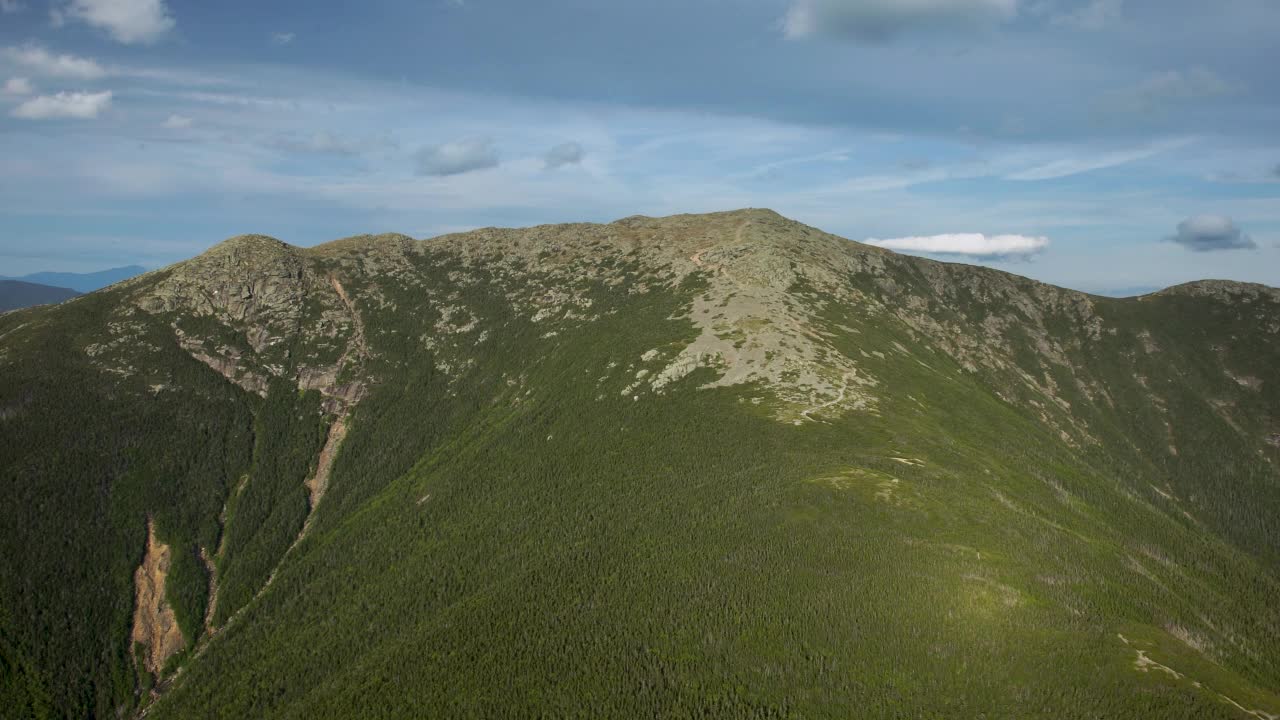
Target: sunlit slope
[725, 466]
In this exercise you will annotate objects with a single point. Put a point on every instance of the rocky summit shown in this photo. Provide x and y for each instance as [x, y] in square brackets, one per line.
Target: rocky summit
[720, 465]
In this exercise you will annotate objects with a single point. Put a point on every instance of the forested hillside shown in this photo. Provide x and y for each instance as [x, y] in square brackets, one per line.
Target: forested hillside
[717, 466]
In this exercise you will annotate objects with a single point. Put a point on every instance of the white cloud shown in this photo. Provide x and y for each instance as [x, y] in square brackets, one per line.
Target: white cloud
[128, 21]
[1077, 165]
[458, 157]
[282, 38]
[79, 105]
[881, 20]
[570, 153]
[176, 122]
[1208, 233]
[18, 86]
[973, 245]
[10, 6]
[43, 62]
[1095, 15]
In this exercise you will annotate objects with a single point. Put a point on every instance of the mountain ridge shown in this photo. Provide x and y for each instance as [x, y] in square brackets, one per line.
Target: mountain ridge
[708, 464]
[375, 242]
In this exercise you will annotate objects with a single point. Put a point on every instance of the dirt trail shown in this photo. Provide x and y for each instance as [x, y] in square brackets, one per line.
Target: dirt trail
[1144, 663]
[823, 406]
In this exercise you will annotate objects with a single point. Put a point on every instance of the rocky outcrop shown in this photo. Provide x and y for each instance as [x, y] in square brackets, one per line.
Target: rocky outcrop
[755, 328]
[252, 280]
[155, 627]
[225, 360]
[253, 308]
[1224, 290]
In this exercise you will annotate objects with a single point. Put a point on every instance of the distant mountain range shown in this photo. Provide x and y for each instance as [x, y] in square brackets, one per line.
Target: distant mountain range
[15, 294]
[81, 282]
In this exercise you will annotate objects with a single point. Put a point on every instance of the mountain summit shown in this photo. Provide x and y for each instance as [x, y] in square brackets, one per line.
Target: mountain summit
[720, 465]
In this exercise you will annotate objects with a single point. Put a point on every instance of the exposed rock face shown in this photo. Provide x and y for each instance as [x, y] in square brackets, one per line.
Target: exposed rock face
[154, 625]
[251, 279]
[267, 301]
[225, 361]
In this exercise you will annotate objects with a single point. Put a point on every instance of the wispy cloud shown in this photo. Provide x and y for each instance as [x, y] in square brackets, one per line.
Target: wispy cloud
[39, 60]
[176, 122]
[18, 86]
[324, 142]
[1089, 163]
[223, 98]
[282, 38]
[1163, 90]
[1093, 15]
[826, 156]
[42, 62]
[79, 105]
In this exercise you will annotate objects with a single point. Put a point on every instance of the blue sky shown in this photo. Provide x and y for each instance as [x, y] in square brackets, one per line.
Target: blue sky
[1096, 144]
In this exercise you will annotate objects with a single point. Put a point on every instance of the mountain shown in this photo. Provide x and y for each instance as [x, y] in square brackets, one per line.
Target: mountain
[83, 282]
[719, 465]
[16, 294]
